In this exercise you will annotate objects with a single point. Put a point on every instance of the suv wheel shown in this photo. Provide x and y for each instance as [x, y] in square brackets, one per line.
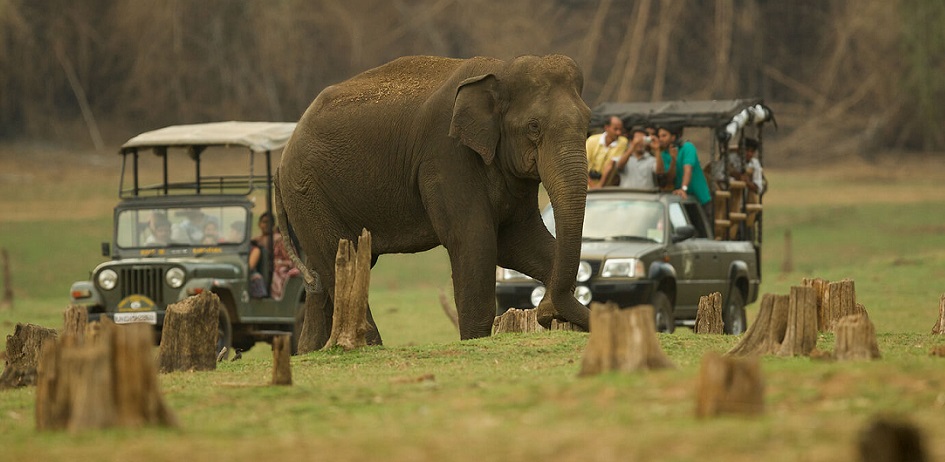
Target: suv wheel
[224, 331]
[733, 313]
[663, 311]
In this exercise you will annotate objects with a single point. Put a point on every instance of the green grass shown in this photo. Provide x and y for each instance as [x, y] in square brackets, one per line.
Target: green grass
[426, 396]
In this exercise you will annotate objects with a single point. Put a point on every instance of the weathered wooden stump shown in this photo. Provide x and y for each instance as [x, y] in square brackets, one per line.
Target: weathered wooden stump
[282, 360]
[109, 380]
[800, 337]
[889, 440]
[75, 321]
[24, 347]
[352, 280]
[939, 327]
[820, 289]
[622, 340]
[516, 320]
[839, 301]
[765, 336]
[190, 334]
[856, 339]
[729, 386]
[709, 316]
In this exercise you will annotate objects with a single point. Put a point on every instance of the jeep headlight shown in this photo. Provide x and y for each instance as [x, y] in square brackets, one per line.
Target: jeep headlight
[583, 295]
[584, 271]
[537, 295]
[623, 268]
[505, 274]
[107, 279]
[174, 277]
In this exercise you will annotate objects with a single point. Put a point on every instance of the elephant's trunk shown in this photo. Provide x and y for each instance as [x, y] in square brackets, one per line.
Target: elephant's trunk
[565, 179]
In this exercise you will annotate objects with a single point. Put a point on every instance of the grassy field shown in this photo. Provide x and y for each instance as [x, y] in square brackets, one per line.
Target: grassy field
[425, 396]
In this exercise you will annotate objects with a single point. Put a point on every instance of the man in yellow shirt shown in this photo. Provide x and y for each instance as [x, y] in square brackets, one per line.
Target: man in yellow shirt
[603, 148]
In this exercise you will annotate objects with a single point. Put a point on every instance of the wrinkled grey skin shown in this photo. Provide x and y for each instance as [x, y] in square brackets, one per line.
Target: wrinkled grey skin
[428, 151]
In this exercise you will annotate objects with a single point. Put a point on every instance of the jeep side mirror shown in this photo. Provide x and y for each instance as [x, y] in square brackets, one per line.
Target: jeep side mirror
[106, 249]
[681, 233]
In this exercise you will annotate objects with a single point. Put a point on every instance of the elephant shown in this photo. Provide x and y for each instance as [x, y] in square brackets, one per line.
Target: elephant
[426, 151]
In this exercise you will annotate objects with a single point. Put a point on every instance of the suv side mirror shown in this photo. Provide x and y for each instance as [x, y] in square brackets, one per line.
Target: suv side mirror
[684, 232]
[106, 249]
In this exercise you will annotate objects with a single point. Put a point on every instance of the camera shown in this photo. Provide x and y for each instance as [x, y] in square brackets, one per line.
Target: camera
[647, 139]
[594, 174]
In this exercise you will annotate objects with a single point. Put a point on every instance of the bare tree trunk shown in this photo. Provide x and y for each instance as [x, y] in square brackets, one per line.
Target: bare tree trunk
[787, 265]
[592, 40]
[939, 327]
[729, 386]
[724, 18]
[352, 281]
[642, 16]
[669, 13]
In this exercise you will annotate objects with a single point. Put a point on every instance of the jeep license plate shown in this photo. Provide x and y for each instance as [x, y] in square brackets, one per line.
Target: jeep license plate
[147, 317]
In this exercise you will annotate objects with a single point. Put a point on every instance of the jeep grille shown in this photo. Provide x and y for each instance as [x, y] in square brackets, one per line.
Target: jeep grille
[143, 281]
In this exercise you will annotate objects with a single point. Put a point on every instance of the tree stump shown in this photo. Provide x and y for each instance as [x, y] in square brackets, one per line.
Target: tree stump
[800, 337]
[24, 347]
[516, 320]
[856, 339]
[888, 440]
[6, 302]
[729, 386]
[820, 289]
[840, 301]
[765, 335]
[109, 380]
[75, 321]
[282, 360]
[622, 340]
[787, 266]
[939, 327]
[352, 279]
[709, 316]
[565, 325]
[190, 334]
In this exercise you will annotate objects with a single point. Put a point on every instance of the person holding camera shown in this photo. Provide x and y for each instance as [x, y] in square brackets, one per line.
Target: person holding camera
[636, 168]
[681, 162]
[602, 148]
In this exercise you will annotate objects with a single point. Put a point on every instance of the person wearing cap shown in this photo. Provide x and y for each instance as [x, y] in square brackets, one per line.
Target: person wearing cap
[753, 177]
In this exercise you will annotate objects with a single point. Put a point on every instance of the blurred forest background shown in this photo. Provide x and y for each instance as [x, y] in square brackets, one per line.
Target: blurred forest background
[854, 77]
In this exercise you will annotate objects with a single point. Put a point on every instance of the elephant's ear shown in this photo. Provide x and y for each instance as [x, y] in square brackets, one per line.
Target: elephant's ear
[476, 115]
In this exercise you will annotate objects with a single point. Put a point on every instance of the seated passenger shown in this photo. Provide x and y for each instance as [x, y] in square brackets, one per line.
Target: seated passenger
[753, 176]
[636, 167]
[211, 235]
[160, 230]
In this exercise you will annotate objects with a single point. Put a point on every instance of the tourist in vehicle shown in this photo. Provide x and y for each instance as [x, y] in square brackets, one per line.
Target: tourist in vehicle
[753, 177]
[681, 161]
[211, 235]
[282, 266]
[190, 229]
[160, 230]
[636, 168]
[602, 148]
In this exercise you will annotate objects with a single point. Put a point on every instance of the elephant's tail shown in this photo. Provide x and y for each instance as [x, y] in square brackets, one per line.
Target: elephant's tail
[290, 240]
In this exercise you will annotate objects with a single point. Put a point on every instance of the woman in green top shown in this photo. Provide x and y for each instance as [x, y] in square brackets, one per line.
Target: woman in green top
[681, 162]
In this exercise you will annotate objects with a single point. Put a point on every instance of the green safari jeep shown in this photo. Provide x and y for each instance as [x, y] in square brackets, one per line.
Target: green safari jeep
[189, 200]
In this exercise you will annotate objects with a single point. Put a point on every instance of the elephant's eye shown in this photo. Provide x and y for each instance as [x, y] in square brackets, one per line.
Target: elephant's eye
[533, 127]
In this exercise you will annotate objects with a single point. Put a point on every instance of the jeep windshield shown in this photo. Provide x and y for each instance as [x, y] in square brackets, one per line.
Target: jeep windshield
[181, 227]
[618, 220]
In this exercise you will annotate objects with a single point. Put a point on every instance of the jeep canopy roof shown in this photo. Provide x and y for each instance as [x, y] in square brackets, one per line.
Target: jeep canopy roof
[714, 113]
[257, 136]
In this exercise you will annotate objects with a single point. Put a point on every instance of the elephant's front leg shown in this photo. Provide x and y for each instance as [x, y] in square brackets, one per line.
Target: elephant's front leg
[472, 260]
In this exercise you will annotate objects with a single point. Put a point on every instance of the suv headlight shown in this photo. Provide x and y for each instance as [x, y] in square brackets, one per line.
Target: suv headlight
[583, 295]
[174, 277]
[584, 271]
[623, 268]
[505, 274]
[537, 294]
[107, 279]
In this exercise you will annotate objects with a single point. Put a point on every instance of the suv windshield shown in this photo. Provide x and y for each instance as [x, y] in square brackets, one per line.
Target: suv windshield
[618, 219]
[181, 226]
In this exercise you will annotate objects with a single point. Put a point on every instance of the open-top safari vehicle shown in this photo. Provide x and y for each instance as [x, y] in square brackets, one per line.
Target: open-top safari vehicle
[652, 247]
[189, 198]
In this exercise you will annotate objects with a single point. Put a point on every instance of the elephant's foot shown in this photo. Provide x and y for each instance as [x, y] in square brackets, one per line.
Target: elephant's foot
[576, 313]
